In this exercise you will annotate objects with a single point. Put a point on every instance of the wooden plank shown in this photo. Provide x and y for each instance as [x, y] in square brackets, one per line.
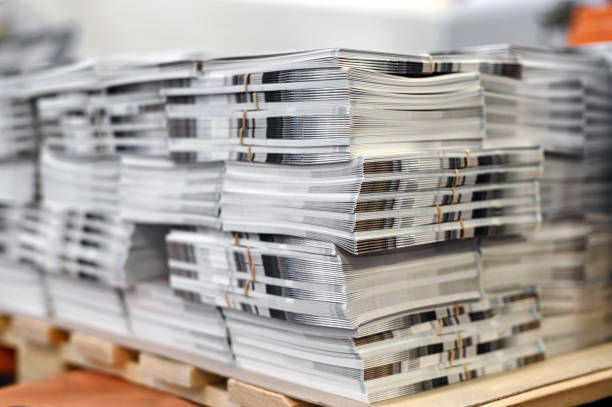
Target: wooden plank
[38, 332]
[212, 394]
[174, 372]
[248, 395]
[571, 392]
[100, 351]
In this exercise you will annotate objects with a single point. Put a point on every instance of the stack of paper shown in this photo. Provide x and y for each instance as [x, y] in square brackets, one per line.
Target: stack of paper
[562, 102]
[333, 159]
[156, 190]
[326, 106]
[91, 115]
[376, 204]
[157, 315]
[366, 327]
[88, 303]
[22, 288]
[302, 280]
[80, 183]
[91, 245]
[570, 261]
[18, 143]
[395, 356]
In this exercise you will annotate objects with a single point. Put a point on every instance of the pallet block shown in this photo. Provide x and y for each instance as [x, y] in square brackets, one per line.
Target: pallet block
[96, 353]
[5, 322]
[179, 378]
[7, 334]
[248, 395]
[176, 373]
[38, 362]
[38, 345]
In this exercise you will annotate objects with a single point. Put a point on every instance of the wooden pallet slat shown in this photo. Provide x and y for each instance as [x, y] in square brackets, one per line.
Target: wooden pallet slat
[177, 373]
[211, 393]
[97, 353]
[38, 332]
[248, 395]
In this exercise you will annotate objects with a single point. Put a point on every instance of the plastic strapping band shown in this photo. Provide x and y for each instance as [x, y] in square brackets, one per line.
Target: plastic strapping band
[456, 178]
[451, 359]
[468, 375]
[256, 100]
[459, 340]
[250, 152]
[454, 198]
[468, 158]
[432, 65]
[456, 308]
[236, 239]
[246, 82]
[246, 288]
[440, 325]
[243, 127]
[251, 264]
[439, 213]
[462, 229]
[227, 301]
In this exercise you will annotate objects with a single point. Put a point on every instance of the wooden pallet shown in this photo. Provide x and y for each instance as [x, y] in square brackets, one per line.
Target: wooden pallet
[47, 348]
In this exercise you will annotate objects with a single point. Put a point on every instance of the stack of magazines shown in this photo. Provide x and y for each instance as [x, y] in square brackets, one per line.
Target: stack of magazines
[18, 143]
[355, 183]
[155, 190]
[156, 314]
[88, 303]
[22, 288]
[562, 102]
[366, 327]
[77, 234]
[377, 204]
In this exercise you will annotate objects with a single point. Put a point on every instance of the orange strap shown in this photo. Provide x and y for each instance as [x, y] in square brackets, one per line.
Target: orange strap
[432, 65]
[456, 178]
[244, 126]
[246, 82]
[468, 374]
[439, 213]
[468, 158]
[462, 229]
[246, 288]
[251, 264]
[256, 100]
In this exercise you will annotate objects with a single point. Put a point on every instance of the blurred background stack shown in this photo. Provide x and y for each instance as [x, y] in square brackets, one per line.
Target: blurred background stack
[369, 224]
[562, 103]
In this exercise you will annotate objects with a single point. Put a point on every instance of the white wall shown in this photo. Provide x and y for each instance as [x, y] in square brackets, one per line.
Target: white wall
[255, 26]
